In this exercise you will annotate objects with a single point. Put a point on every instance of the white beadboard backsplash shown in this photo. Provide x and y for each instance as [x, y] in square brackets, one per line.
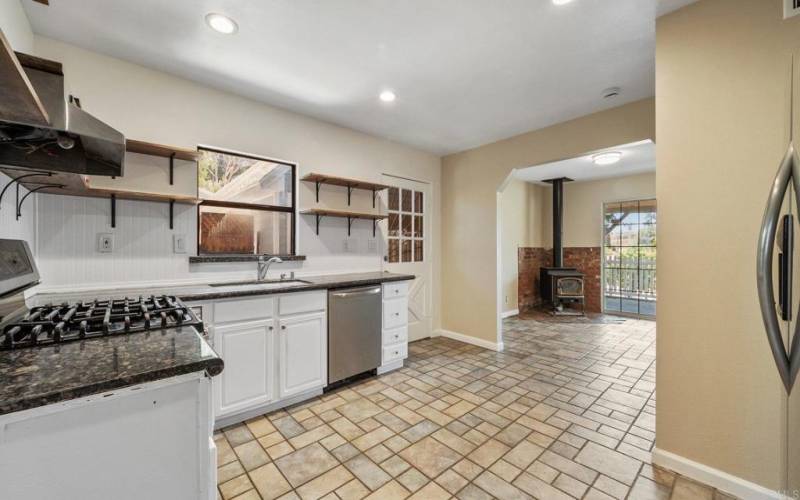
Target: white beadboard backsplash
[10, 227]
[68, 228]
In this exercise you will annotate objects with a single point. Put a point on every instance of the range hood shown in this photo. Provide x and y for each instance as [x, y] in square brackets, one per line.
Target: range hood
[41, 129]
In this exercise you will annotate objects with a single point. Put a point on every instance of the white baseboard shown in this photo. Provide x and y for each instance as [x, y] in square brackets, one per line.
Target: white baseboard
[508, 314]
[494, 346]
[720, 480]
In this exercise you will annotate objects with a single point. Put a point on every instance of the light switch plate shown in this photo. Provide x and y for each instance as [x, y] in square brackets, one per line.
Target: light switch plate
[179, 243]
[105, 242]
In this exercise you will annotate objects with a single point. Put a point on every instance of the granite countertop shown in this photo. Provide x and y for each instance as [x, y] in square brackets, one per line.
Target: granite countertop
[39, 376]
[207, 292]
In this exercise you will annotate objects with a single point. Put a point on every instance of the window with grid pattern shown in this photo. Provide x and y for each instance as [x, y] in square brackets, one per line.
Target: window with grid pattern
[406, 225]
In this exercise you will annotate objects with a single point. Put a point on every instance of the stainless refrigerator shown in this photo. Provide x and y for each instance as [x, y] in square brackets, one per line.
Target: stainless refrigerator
[778, 282]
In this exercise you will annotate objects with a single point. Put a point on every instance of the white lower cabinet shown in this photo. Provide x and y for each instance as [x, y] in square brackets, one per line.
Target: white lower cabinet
[303, 354]
[275, 348]
[248, 379]
[394, 344]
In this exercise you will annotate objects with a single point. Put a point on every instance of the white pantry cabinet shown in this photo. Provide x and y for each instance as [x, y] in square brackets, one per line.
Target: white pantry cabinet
[395, 326]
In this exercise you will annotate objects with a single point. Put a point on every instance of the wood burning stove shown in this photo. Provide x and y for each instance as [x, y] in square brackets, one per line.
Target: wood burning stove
[560, 285]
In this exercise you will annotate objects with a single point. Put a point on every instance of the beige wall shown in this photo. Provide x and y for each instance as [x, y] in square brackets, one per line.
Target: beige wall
[522, 205]
[722, 86]
[583, 206]
[470, 182]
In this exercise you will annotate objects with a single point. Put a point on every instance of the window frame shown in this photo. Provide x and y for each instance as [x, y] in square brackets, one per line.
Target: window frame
[251, 206]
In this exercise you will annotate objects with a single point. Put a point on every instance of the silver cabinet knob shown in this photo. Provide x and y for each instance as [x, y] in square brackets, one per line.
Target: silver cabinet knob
[283, 327]
[271, 328]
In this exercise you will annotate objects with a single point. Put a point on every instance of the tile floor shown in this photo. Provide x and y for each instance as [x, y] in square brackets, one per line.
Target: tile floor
[566, 411]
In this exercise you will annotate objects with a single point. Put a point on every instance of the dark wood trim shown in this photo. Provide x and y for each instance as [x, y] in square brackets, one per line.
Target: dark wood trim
[246, 206]
[252, 206]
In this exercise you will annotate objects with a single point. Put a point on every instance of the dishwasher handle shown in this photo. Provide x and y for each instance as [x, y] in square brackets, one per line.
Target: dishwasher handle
[356, 292]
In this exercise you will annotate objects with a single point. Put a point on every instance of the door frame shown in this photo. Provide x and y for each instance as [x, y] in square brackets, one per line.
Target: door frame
[603, 260]
[430, 231]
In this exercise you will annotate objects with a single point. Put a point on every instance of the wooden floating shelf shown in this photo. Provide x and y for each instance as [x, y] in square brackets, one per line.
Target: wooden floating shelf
[319, 213]
[350, 184]
[152, 149]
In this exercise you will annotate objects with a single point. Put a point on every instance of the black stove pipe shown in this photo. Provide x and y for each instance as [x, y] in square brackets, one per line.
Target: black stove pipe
[558, 219]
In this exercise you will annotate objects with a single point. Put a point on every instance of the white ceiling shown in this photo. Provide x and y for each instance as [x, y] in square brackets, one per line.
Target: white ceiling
[637, 158]
[466, 72]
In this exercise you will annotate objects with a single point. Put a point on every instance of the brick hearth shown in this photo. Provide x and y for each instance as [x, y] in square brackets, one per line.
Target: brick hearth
[586, 259]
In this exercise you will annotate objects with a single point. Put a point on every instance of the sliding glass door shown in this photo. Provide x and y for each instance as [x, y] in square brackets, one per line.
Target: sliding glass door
[629, 258]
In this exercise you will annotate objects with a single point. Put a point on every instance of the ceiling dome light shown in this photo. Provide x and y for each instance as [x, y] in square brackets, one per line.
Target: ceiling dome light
[561, 2]
[222, 24]
[387, 96]
[609, 158]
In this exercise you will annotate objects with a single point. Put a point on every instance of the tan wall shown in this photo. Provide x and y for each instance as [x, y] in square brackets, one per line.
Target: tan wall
[583, 206]
[522, 205]
[470, 181]
[722, 86]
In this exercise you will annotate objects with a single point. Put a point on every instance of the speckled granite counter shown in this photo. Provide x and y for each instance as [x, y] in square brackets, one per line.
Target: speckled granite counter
[39, 376]
[208, 292]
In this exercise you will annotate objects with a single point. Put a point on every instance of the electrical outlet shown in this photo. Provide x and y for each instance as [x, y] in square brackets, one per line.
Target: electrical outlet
[506, 299]
[179, 243]
[105, 242]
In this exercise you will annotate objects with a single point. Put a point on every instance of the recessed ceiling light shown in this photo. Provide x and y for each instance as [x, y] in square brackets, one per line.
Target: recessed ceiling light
[609, 158]
[221, 24]
[387, 96]
[561, 2]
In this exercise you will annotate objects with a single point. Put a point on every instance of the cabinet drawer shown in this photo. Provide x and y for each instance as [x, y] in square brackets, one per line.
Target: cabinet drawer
[395, 313]
[302, 303]
[243, 309]
[391, 290]
[394, 352]
[394, 336]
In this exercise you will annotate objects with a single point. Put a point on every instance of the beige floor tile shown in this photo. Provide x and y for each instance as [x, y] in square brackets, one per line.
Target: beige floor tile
[251, 455]
[312, 436]
[452, 481]
[305, 464]
[430, 456]
[609, 462]
[229, 471]
[269, 482]
[390, 491]
[498, 487]
[395, 466]
[488, 453]
[260, 426]
[368, 472]
[412, 479]
[372, 438]
[279, 450]
[324, 484]
[236, 486]
[431, 491]
[453, 441]
[353, 490]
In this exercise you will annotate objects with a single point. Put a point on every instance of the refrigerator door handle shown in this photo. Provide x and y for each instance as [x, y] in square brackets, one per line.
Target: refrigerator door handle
[787, 364]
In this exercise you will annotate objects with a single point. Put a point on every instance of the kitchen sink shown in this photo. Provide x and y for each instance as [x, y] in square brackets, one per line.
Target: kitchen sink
[262, 284]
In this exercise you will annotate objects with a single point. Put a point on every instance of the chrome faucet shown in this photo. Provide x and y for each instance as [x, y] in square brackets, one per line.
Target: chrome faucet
[263, 265]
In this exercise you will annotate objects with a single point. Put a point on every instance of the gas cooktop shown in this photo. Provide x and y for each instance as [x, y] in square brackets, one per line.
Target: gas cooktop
[53, 324]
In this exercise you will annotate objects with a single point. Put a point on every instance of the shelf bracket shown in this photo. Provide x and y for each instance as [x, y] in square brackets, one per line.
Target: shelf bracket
[318, 217]
[350, 189]
[374, 224]
[16, 181]
[171, 213]
[374, 193]
[318, 184]
[30, 192]
[113, 210]
[172, 169]
[349, 224]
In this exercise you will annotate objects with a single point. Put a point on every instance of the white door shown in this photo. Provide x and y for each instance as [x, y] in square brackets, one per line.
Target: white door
[303, 359]
[407, 247]
[247, 380]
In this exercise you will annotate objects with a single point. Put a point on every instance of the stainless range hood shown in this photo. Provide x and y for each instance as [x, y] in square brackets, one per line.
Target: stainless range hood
[57, 136]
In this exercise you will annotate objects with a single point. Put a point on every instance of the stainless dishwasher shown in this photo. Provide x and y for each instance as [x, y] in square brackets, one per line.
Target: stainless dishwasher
[354, 331]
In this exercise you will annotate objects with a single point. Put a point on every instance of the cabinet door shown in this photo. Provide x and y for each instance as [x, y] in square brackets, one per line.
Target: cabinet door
[248, 378]
[303, 358]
